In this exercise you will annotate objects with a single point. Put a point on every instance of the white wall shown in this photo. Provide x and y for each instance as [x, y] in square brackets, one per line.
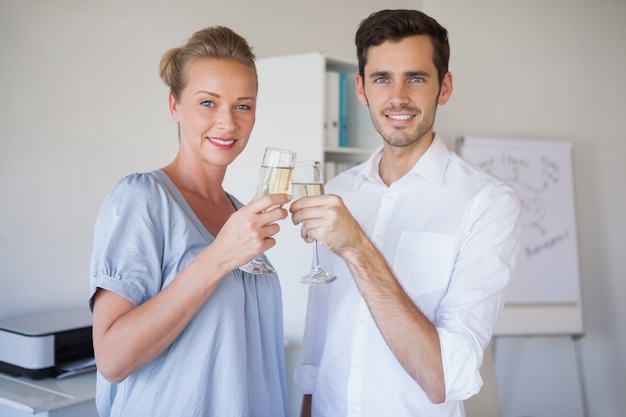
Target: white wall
[82, 105]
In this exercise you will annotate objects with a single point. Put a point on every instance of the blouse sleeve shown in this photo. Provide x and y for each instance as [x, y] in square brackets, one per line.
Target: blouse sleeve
[129, 240]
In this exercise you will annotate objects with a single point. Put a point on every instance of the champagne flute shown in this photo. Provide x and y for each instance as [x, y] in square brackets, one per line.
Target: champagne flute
[308, 181]
[274, 178]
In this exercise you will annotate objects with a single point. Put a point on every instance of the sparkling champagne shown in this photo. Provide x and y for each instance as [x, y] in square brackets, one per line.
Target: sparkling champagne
[307, 190]
[274, 180]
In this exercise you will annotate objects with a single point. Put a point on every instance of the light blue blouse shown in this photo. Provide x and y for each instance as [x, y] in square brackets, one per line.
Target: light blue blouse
[229, 360]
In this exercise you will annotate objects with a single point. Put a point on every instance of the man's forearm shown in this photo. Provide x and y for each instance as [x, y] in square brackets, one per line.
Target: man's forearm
[412, 338]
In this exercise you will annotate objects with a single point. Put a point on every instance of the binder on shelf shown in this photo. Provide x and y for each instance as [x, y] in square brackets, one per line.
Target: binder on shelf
[332, 109]
[361, 131]
[339, 109]
[342, 166]
[343, 109]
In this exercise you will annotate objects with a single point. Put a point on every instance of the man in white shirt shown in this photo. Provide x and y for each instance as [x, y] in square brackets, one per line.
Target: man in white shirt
[424, 245]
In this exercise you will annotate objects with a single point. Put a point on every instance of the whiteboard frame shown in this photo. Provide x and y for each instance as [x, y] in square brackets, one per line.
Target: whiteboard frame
[540, 319]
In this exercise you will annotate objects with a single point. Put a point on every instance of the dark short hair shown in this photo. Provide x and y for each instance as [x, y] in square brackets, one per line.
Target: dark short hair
[395, 25]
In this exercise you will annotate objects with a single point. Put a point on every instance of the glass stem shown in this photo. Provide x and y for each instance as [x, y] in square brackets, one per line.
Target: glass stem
[316, 261]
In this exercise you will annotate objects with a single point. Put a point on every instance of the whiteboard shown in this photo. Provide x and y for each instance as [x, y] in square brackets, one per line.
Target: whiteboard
[545, 294]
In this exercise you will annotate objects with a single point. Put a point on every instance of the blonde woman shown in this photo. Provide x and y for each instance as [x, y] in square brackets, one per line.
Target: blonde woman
[179, 330]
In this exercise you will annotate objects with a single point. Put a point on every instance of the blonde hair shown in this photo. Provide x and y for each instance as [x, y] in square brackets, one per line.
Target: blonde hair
[211, 42]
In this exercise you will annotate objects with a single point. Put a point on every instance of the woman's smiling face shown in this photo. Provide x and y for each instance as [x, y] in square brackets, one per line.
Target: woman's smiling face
[216, 109]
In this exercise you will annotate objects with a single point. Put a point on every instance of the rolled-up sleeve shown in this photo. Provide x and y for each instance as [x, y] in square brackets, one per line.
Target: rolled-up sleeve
[480, 279]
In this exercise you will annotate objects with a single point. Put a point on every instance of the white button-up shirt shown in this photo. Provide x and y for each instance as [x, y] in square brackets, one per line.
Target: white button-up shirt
[450, 233]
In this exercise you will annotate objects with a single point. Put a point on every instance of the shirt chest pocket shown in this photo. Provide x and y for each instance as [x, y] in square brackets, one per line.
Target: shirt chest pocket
[423, 261]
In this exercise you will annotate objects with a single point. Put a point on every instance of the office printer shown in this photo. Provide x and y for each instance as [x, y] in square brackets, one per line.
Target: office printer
[55, 344]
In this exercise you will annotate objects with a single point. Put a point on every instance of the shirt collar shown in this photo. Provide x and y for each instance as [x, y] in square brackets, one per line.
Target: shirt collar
[431, 166]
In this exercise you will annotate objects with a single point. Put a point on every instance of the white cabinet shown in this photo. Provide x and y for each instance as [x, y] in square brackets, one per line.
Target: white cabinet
[291, 112]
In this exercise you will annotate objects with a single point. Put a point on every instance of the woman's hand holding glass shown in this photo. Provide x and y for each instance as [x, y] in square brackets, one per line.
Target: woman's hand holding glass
[274, 178]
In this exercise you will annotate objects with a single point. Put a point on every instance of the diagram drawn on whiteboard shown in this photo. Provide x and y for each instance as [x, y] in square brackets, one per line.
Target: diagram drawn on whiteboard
[511, 169]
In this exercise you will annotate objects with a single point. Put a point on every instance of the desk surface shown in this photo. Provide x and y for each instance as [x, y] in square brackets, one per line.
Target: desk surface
[35, 396]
